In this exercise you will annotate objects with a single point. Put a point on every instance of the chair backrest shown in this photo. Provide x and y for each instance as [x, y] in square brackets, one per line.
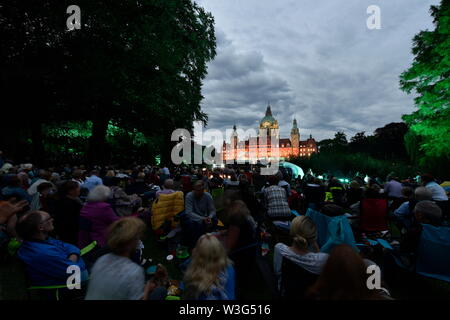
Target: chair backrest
[433, 255]
[295, 280]
[332, 231]
[373, 215]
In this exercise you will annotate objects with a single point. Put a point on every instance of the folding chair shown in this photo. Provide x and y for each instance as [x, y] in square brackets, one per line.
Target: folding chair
[332, 231]
[373, 216]
[295, 280]
[433, 255]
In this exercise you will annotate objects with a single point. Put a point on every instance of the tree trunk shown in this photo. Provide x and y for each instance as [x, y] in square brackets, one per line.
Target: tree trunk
[97, 142]
[38, 145]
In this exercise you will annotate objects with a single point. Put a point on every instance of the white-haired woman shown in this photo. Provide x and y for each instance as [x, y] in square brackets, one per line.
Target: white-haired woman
[95, 217]
[210, 274]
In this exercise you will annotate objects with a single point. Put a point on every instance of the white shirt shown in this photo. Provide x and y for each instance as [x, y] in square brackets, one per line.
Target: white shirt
[437, 192]
[115, 277]
[312, 261]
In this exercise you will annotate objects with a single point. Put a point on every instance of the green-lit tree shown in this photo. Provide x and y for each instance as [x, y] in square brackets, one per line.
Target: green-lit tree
[137, 65]
[429, 77]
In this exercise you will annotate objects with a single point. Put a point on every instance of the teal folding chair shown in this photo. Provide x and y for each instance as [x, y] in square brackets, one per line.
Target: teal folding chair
[332, 231]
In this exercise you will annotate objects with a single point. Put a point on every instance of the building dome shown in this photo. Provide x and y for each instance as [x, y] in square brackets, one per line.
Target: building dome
[268, 122]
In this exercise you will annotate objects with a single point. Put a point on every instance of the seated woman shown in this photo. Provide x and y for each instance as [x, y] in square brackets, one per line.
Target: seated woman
[210, 274]
[115, 276]
[304, 250]
[96, 216]
[46, 259]
[344, 277]
[124, 205]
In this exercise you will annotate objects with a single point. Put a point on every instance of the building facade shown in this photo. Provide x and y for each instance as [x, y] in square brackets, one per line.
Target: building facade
[261, 148]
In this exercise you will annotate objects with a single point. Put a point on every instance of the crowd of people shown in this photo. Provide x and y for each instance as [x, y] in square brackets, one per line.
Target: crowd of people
[224, 216]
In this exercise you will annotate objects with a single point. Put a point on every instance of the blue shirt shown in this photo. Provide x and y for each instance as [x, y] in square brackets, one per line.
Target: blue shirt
[403, 210]
[227, 289]
[437, 192]
[47, 261]
[21, 193]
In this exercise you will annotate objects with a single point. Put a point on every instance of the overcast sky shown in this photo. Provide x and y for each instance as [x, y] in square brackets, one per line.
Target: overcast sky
[315, 60]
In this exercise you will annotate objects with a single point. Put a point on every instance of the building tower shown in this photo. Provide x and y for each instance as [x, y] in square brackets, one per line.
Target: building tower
[234, 138]
[295, 138]
[268, 125]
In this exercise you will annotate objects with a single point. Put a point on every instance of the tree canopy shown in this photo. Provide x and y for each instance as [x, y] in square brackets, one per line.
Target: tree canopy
[429, 78]
[135, 65]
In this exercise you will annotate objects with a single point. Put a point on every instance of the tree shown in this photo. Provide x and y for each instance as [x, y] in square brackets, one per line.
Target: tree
[338, 144]
[359, 142]
[429, 77]
[389, 141]
[137, 65]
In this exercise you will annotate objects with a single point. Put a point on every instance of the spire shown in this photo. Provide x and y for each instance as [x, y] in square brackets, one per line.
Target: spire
[268, 111]
[294, 124]
[234, 127]
[310, 136]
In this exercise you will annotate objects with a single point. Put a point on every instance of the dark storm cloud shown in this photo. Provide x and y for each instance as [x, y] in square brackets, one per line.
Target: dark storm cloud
[313, 60]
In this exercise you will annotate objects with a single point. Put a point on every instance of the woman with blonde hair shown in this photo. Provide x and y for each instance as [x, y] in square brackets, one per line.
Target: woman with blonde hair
[210, 275]
[304, 251]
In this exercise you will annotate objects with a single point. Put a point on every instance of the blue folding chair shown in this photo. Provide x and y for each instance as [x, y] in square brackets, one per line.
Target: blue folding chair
[433, 254]
[332, 231]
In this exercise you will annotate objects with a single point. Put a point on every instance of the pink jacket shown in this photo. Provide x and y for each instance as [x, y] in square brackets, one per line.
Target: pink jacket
[100, 215]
